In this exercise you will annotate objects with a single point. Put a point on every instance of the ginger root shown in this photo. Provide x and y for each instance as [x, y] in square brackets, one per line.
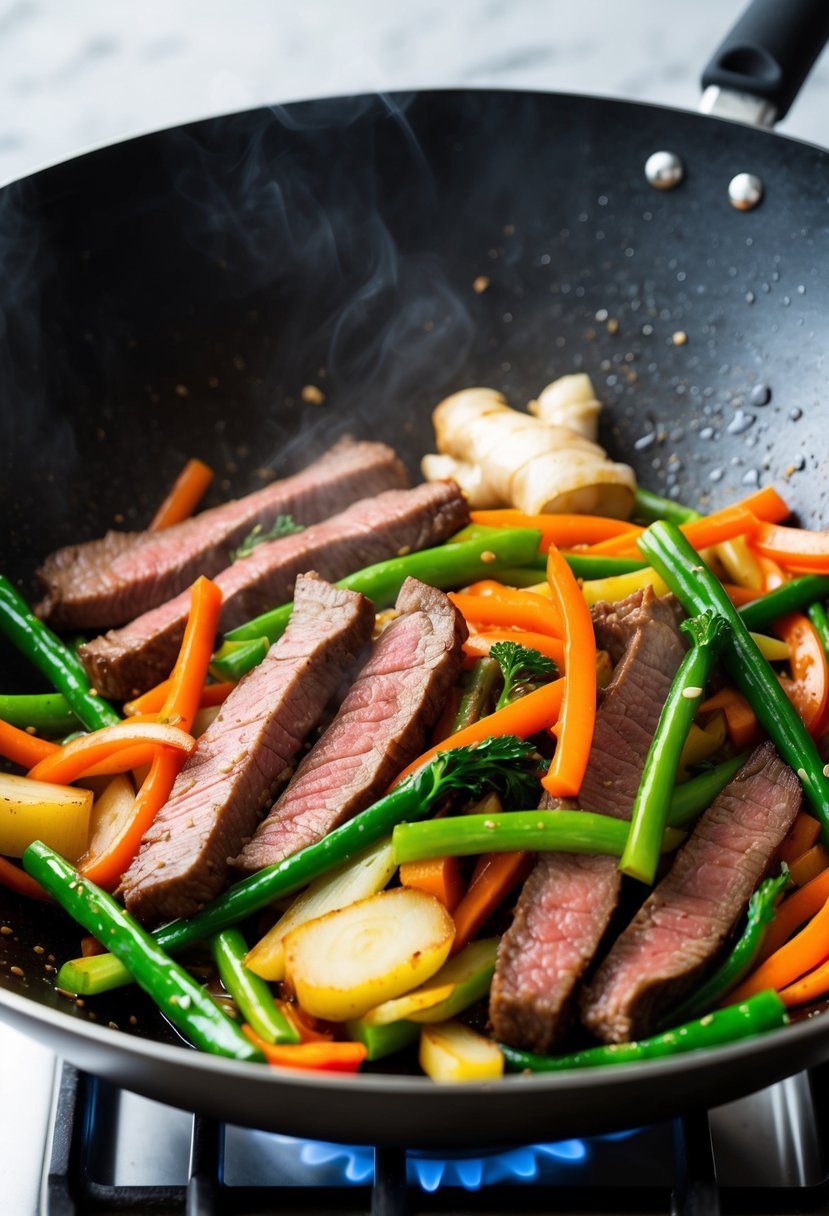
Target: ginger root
[502, 457]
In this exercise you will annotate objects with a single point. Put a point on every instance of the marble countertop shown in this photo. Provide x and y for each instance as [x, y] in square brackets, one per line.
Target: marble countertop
[73, 75]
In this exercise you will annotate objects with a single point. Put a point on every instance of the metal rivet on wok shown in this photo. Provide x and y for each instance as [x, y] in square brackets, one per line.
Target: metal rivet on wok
[745, 191]
[664, 170]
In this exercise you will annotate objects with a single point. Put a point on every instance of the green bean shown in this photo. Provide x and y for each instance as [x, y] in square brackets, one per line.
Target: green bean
[59, 664]
[790, 597]
[652, 802]
[385, 1040]
[251, 993]
[690, 799]
[47, 713]
[504, 764]
[743, 957]
[649, 507]
[515, 831]
[698, 591]
[589, 567]
[178, 996]
[475, 701]
[757, 1015]
[817, 615]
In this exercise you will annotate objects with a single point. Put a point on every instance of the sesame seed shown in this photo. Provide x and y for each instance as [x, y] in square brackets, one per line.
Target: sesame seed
[691, 693]
[113, 1025]
[490, 825]
[802, 774]
[133, 1020]
[38, 950]
[680, 338]
[489, 557]
[6, 930]
[312, 394]
[826, 770]
[17, 971]
[481, 284]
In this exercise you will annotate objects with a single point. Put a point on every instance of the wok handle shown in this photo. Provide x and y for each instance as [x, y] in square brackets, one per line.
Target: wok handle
[768, 54]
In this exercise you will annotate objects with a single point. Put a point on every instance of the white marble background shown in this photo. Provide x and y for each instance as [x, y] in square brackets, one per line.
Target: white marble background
[75, 73]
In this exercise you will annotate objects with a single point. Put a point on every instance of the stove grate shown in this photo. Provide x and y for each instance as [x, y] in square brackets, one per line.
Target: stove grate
[83, 1106]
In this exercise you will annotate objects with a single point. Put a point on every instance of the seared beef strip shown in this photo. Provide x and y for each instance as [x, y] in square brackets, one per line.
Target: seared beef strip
[381, 727]
[245, 753]
[568, 900]
[110, 581]
[125, 662]
[686, 920]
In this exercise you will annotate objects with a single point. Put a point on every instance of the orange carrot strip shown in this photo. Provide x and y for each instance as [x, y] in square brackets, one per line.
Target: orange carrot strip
[438, 876]
[524, 717]
[479, 644]
[800, 551]
[319, 1056]
[508, 607]
[186, 684]
[810, 988]
[799, 907]
[564, 531]
[309, 1028]
[773, 574]
[15, 879]
[740, 719]
[75, 759]
[574, 729]
[741, 595]
[496, 875]
[152, 702]
[185, 495]
[22, 748]
[809, 864]
[803, 953]
[802, 835]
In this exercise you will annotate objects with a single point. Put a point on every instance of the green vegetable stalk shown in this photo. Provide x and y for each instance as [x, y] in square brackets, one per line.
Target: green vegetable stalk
[745, 955]
[652, 803]
[523, 670]
[507, 765]
[818, 617]
[185, 1003]
[649, 507]
[758, 1015]
[47, 713]
[59, 664]
[514, 831]
[589, 567]
[475, 702]
[693, 797]
[283, 525]
[698, 590]
[252, 995]
[790, 597]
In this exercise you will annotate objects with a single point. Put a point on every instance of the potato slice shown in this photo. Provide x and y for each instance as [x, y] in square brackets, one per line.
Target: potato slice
[362, 876]
[458, 984]
[451, 1052]
[37, 810]
[346, 962]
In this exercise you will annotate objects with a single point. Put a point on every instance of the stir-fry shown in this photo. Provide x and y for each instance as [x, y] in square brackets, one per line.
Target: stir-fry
[534, 789]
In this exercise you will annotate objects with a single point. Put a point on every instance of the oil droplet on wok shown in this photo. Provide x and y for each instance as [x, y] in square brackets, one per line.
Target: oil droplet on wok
[715, 475]
[740, 423]
[760, 395]
[751, 477]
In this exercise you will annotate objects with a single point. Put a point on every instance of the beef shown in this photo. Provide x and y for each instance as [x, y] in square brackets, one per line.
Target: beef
[686, 920]
[245, 754]
[381, 727]
[125, 662]
[108, 582]
[568, 900]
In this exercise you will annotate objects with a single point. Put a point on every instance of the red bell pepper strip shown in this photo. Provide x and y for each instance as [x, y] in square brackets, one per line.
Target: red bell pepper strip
[319, 1056]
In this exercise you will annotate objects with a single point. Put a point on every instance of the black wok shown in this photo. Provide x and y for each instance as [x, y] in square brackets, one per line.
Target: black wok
[172, 295]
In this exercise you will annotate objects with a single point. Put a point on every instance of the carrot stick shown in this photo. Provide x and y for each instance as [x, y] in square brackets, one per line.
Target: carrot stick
[496, 875]
[479, 644]
[185, 495]
[564, 531]
[76, 759]
[152, 701]
[524, 717]
[22, 748]
[810, 988]
[186, 684]
[803, 953]
[319, 1056]
[740, 719]
[800, 551]
[799, 907]
[15, 879]
[438, 876]
[574, 729]
[802, 835]
[524, 609]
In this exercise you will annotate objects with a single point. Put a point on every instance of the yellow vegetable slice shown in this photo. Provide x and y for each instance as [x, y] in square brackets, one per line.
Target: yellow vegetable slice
[37, 810]
[451, 1052]
[407, 1006]
[702, 744]
[362, 876]
[110, 811]
[346, 962]
[459, 983]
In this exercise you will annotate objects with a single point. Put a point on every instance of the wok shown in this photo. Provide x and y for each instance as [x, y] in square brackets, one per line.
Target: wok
[171, 295]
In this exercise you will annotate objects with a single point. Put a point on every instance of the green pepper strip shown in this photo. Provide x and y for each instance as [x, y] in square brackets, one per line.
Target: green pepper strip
[47, 713]
[790, 597]
[446, 566]
[818, 617]
[59, 664]
[744, 956]
[698, 591]
[515, 831]
[475, 702]
[649, 507]
[759, 1014]
[505, 764]
[652, 803]
[693, 797]
[251, 993]
[178, 996]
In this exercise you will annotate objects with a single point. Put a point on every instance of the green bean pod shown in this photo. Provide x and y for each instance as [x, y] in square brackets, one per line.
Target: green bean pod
[251, 993]
[789, 597]
[649, 507]
[47, 713]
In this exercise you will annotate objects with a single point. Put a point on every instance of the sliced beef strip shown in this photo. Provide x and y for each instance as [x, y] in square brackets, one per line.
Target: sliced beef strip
[568, 900]
[245, 753]
[686, 920]
[381, 727]
[128, 661]
[108, 582]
